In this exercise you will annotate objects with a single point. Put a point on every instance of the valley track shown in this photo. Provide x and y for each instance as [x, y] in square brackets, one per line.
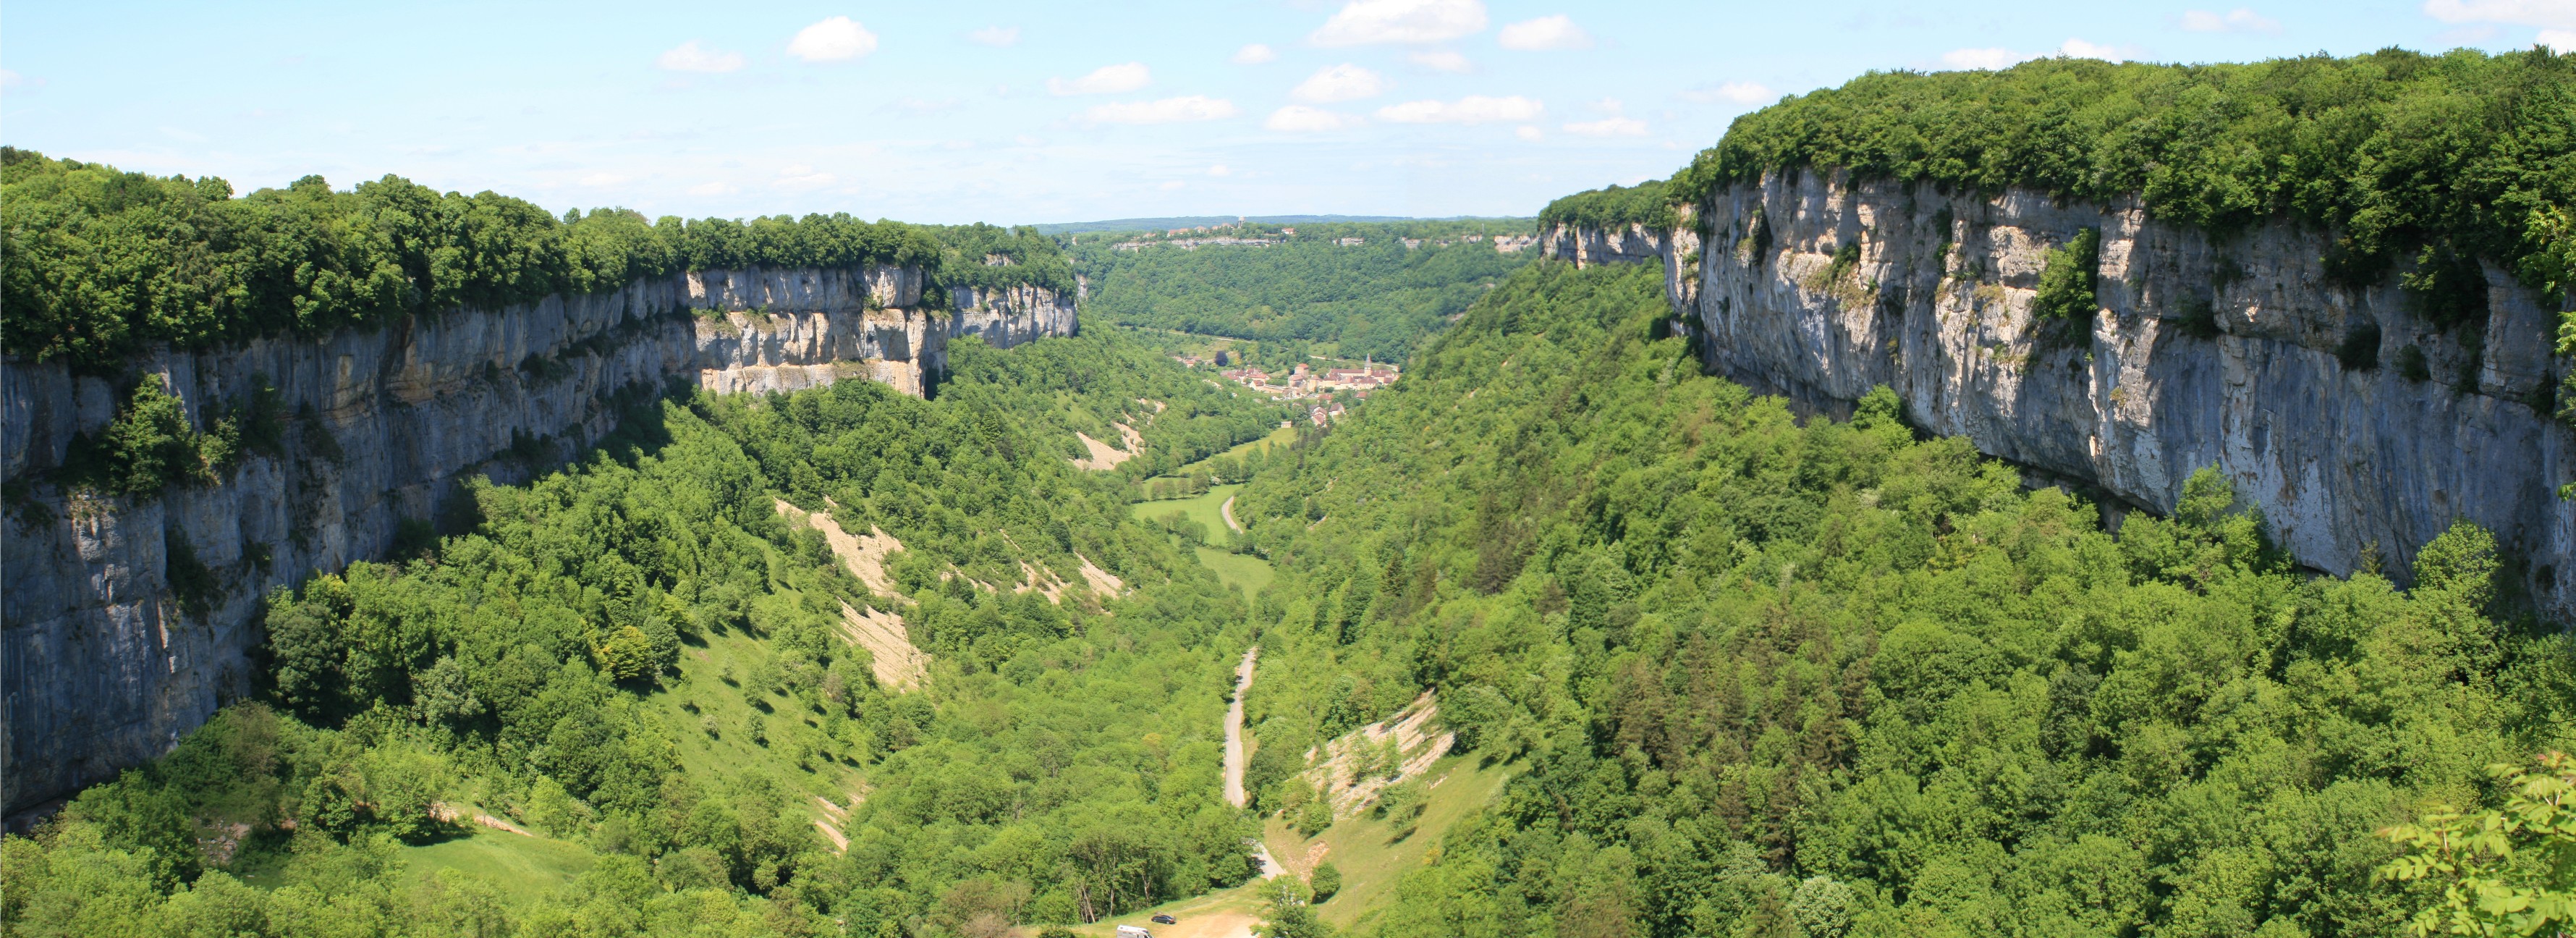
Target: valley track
[1234, 755]
[1234, 729]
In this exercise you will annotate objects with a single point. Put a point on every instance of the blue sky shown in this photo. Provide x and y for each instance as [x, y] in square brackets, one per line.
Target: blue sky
[1035, 112]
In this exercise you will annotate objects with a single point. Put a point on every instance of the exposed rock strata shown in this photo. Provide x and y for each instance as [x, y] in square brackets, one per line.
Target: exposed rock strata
[2205, 352]
[100, 668]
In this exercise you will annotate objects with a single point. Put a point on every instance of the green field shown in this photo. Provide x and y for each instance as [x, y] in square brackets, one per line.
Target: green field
[1201, 508]
[1277, 438]
[1251, 574]
[523, 868]
[1244, 571]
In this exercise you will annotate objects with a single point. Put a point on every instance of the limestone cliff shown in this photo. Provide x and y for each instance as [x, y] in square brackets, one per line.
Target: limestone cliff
[2206, 351]
[100, 667]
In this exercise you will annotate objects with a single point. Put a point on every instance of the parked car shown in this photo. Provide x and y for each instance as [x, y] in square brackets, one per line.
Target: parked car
[1131, 931]
[1165, 920]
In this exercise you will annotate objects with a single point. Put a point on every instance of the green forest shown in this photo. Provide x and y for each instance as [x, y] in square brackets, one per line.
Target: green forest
[1377, 299]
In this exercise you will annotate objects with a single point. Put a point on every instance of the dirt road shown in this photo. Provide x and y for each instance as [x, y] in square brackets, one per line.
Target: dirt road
[1234, 751]
[1234, 729]
[1227, 510]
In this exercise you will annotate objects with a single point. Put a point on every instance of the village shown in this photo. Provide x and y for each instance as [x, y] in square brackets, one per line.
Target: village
[1326, 386]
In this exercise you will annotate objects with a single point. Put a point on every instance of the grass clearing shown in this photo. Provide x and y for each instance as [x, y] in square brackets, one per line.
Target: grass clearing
[1203, 509]
[1374, 852]
[794, 731]
[1249, 573]
[1277, 438]
[525, 869]
[1244, 571]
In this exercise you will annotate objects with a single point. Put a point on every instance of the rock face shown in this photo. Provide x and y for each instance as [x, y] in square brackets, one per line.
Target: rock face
[1635, 244]
[100, 666]
[2205, 352]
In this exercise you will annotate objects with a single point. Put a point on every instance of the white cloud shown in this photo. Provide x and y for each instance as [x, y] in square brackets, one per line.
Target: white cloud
[1527, 132]
[1174, 184]
[1611, 127]
[1993, 59]
[1254, 54]
[996, 36]
[1443, 61]
[2079, 49]
[801, 176]
[1368, 22]
[834, 40]
[1543, 34]
[713, 188]
[1736, 92]
[175, 133]
[1107, 79]
[2548, 14]
[2239, 20]
[10, 79]
[1220, 169]
[603, 179]
[1607, 105]
[1298, 118]
[691, 57]
[1197, 107]
[1344, 82]
[2563, 40]
[1472, 109]
[1988, 59]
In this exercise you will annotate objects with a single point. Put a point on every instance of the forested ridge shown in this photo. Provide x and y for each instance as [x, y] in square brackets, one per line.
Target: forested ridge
[1766, 676]
[1380, 298]
[101, 263]
[2420, 162]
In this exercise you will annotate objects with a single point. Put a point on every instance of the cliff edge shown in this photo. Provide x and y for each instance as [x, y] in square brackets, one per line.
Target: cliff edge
[101, 666]
[2360, 428]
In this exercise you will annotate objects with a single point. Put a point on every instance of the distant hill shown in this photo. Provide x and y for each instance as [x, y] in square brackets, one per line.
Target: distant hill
[1193, 221]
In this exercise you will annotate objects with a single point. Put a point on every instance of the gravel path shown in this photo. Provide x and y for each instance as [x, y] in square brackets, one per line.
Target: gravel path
[1234, 729]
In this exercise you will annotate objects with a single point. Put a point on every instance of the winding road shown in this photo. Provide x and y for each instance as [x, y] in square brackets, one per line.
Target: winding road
[1227, 510]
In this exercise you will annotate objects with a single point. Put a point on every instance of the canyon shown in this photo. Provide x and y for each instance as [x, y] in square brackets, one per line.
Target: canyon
[2360, 426]
[104, 664]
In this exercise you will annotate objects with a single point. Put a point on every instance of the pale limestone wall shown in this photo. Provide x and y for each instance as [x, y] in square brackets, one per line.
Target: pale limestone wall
[100, 669]
[2340, 461]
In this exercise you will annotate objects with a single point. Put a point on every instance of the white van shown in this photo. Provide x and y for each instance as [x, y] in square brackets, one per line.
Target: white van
[1133, 931]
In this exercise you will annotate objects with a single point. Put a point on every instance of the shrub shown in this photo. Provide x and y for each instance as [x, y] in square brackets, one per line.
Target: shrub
[2067, 285]
[1325, 881]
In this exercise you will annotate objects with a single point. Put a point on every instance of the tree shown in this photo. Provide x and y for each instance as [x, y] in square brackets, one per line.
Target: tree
[1325, 881]
[2509, 870]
